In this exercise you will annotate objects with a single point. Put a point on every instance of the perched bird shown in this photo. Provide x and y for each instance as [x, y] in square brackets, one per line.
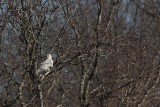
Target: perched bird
[45, 66]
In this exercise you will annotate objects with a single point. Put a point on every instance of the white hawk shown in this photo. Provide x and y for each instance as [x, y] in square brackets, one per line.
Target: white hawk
[45, 66]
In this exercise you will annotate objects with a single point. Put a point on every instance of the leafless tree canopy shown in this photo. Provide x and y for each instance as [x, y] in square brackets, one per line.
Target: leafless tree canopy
[106, 53]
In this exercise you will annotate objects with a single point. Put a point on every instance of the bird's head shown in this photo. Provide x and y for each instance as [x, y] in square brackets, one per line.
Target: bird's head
[49, 56]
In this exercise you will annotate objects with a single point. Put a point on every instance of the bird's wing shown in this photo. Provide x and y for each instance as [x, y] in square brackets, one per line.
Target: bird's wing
[45, 65]
[45, 62]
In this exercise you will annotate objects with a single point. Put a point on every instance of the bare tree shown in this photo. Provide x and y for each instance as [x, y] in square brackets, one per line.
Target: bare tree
[106, 53]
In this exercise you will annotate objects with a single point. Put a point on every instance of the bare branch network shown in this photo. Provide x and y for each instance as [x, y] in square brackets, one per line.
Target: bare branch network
[79, 53]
